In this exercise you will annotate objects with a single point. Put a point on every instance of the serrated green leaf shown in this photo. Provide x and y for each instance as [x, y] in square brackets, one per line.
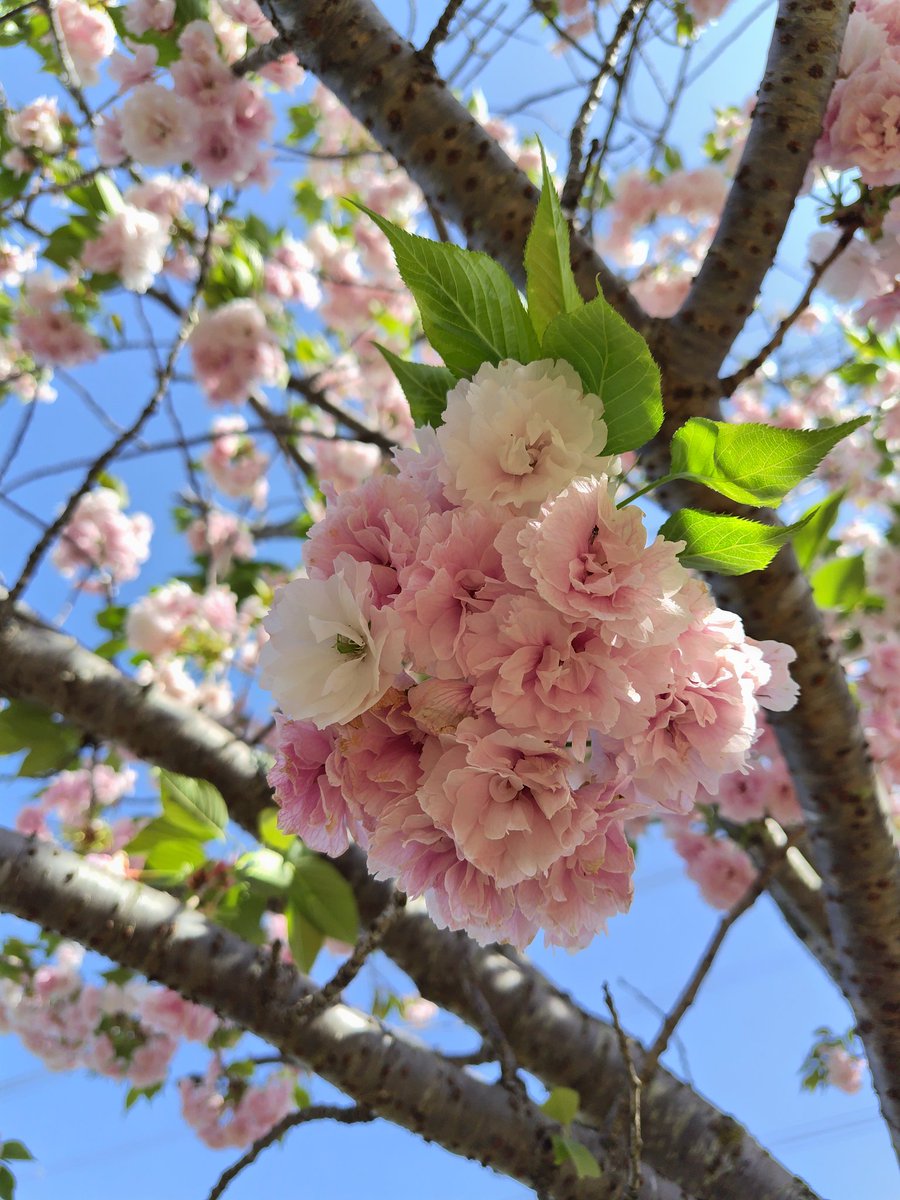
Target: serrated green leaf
[840, 584]
[173, 860]
[324, 897]
[751, 463]
[551, 288]
[265, 869]
[194, 805]
[470, 309]
[156, 832]
[726, 545]
[15, 1151]
[562, 1105]
[614, 363]
[566, 1149]
[425, 387]
[304, 939]
[812, 535]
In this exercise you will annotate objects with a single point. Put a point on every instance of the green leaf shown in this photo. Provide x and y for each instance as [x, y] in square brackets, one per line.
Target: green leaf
[324, 897]
[14, 1151]
[241, 910]
[751, 463]
[840, 583]
[615, 363]
[425, 387]
[267, 870]
[726, 545]
[470, 309]
[567, 1149]
[22, 724]
[194, 805]
[562, 1105]
[112, 618]
[7, 1184]
[271, 834]
[304, 939]
[818, 520]
[551, 287]
[56, 754]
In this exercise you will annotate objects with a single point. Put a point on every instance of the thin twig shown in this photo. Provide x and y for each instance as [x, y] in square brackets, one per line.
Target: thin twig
[730, 383]
[315, 1112]
[18, 438]
[99, 465]
[635, 1142]
[307, 389]
[316, 1002]
[441, 31]
[575, 175]
[703, 967]
[276, 426]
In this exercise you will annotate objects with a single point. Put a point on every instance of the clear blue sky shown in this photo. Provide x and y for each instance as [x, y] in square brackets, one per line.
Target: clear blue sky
[742, 1042]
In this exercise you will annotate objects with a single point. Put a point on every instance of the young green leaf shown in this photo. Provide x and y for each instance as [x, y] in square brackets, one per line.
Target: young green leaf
[551, 287]
[194, 805]
[818, 520]
[615, 363]
[15, 1151]
[567, 1149]
[726, 545]
[470, 309]
[562, 1105]
[265, 869]
[304, 939]
[840, 583]
[425, 387]
[324, 897]
[751, 463]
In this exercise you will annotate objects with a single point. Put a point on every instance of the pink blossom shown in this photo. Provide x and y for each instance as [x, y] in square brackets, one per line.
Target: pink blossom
[855, 275]
[248, 12]
[289, 273]
[165, 195]
[167, 1012]
[155, 126]
[200, 75]
[47, 329]
[221, 537]
[130, 72]
[590, 561]
[36, 125]
[284, 73]
[662, 292]
[881, 311]
[234, 463]
[861, 128]
[507, 801]
[844, 1070]
[108, 139]
[378, 523]
[90, 36]
[98, 536]
[720, 868]
[779, 692]
[131, 244]
[341, 464]
[309, 805]
[233, 351]
[142, 16]
[150, 1063]
[516, 434]
[155, 624]
[73, 793]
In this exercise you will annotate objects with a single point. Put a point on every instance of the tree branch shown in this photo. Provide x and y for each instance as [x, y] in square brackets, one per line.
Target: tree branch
[548, 1033]
[387, 1073]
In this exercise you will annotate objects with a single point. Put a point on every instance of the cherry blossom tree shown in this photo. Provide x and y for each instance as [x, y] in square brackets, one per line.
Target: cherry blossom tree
[474, 445]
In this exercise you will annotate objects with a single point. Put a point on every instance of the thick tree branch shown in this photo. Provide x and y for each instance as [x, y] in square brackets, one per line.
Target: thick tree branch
[799, 75]
[685, 1137]
[385, 1072]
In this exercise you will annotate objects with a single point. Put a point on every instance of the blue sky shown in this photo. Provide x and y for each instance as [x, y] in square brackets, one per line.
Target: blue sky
[742, 1042]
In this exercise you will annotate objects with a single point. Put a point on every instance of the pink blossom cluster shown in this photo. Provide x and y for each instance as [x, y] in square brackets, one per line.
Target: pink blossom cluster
[46, 327]
[99, 537]
[844, 1071]
[721, 869]
[74, 797]
[89, 34]
[578, 18]
[289, 274]
[212, 118]
[867, 272]
[861, 128]
[221, 537]
[487, 669]
[128, 1031]
[228, 1112]
[20, 374]
[234, 463]
[233, 351]
[34, 127]
[130, 243]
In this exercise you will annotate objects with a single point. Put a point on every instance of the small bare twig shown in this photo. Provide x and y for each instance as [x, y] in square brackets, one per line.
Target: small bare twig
[441, 31]
[731, 382]
[355, 1115]
[307, 389]
[635, 1143]
[283, 436]
[575, 175]
[316, 1002]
